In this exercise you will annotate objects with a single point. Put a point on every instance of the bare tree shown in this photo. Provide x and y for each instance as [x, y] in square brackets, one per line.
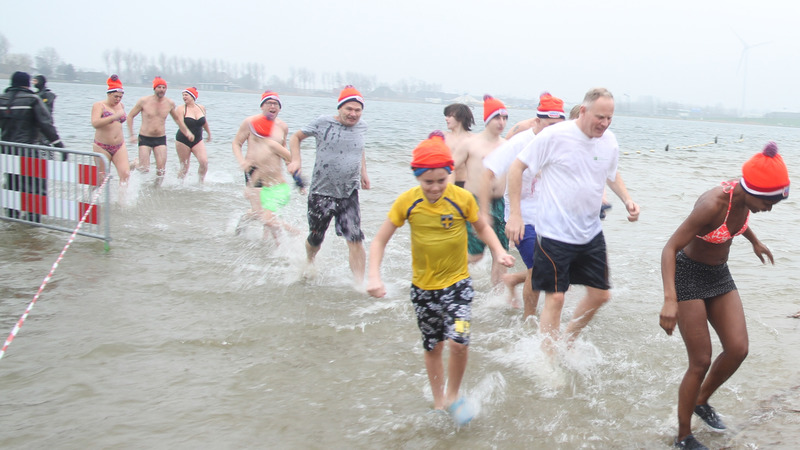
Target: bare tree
[47, 60]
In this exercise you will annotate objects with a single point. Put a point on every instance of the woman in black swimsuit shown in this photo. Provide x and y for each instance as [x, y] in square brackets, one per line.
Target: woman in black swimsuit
[194, 116]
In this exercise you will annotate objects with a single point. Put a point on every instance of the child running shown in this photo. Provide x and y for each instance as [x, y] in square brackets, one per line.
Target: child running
[441, 287]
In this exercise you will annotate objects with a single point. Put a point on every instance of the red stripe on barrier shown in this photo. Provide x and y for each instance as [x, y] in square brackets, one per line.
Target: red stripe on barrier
[92, 218]
[88, 175]
[33, 203]
[33, 167]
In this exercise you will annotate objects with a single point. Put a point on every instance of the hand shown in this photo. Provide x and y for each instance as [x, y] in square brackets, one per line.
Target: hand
[365, 182]
[245, 164]
[506, 260]
[633, 210]
[133, 138]
[189, 135]
[669, 316]
[515, 231]
[293, 167]
[761, 250]
[376, 289]
[208, 138]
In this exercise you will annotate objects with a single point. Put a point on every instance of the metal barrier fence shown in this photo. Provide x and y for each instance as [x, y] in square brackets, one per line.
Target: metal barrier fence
[53, 187]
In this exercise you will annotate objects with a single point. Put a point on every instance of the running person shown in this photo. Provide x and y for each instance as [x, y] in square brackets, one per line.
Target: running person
[441, 287]
[340, 169]
[194, 117]
[109, 137]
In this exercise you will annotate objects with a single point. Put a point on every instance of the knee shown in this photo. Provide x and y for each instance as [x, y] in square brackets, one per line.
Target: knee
[124, 174]
[698, 365]
[738, 352]
[458, 350]
[315, 239]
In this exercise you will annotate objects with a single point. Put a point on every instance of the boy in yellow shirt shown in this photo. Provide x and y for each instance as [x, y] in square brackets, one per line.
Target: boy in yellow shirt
[441, 287]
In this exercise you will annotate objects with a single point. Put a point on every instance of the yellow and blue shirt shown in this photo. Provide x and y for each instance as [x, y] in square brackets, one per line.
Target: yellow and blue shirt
[438, 234]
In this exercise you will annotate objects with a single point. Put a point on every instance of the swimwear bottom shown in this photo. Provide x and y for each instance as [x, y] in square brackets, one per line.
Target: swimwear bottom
[444, 313]
[322, 209]
[558, 264]
[275, 197]
[694, 280]
[180, 137]
[111, 149]
[149, 141]
[474, 245]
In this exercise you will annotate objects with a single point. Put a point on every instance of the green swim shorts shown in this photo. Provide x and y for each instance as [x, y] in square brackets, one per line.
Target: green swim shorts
[275, 197]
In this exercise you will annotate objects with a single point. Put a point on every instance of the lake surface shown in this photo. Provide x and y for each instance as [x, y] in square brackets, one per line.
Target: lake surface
[187, 335]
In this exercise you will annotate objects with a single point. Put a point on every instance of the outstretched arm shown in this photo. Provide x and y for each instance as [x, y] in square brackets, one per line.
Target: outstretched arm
[515, 229]
[137, 108]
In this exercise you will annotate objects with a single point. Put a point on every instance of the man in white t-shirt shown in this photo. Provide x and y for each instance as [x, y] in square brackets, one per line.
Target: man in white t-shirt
[550, 111]
[575, 159]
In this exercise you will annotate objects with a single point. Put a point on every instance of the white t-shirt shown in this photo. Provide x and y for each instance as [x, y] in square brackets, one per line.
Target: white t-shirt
[499, 162]
[574, 169]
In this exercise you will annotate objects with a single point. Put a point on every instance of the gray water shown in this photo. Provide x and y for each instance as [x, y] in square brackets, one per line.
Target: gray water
[185, 335]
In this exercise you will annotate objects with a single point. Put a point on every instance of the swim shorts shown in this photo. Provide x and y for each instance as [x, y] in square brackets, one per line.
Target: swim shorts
[274, 197]
[444, 313]
[557, 264]
[694, 280]
[474, 245]
[149, 141]
[347, 211]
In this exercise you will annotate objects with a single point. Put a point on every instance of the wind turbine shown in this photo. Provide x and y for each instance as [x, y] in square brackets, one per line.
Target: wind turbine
[743, 66]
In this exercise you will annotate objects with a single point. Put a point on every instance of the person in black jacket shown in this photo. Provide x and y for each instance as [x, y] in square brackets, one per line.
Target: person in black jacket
[48, 97]
[23, 116]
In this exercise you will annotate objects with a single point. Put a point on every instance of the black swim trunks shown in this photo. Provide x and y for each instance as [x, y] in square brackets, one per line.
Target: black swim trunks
[694, 280]
[149, 141]
[444, 313]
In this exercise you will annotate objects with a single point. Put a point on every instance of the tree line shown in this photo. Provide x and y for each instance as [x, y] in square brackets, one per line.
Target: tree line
[139, 68]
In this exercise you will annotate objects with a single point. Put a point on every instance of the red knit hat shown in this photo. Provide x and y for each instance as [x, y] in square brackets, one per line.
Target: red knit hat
[765, 174]
[261, 126]
[192, 91]
[492, 107]
[114, 84]
[432, 153]
[350, 94]
[550, 107]
[158, 81]
[269, 95]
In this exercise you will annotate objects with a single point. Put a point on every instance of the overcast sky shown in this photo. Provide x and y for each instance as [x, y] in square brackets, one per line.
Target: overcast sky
[681, 50]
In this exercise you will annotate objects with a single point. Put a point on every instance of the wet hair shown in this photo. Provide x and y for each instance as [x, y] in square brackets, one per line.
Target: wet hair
[594, 94]
[462, 113]
[575, 112]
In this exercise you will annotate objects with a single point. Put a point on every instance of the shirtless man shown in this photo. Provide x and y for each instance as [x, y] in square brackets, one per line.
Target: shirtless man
[549, 111]
[266, 187]
[459, 119]
[152, 134]
[470, 160]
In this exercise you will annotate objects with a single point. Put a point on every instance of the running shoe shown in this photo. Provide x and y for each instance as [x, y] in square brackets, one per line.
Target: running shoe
[710, 417]
[689, 442]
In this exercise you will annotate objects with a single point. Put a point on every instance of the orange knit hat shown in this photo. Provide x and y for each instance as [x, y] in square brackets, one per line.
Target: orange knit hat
[158, 81]
[261, 126]
[492, 107]
[114, 84]
[269, 95]
[192, 91]
[350, 94]
[550, 107]
[432, 153]
[765, 174]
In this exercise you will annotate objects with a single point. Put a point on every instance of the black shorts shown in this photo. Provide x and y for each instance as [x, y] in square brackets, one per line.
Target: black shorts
[556, 265]
[694, 280]
[347, 211]
[149, 141]
[445, 313]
